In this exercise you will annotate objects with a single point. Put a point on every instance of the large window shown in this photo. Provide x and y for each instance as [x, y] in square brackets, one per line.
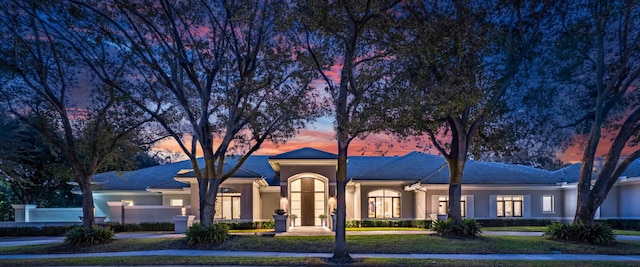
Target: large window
[547, 203]
[443, 205]
[227, 204]
[509, 206]
[384, 204]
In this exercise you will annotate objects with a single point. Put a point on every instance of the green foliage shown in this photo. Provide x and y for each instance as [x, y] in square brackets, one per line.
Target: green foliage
[596, 233]
[467, 228]
[132, 227]
[622, 224]
[34, 231]
[216, 233]
[390, 223]
[78, 236]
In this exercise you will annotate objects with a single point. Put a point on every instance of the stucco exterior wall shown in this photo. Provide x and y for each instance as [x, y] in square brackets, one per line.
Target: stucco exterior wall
[629, 201]
[142, 198]
[286, 172]
[609, 207]
[481, 204]
[167, 197]
[270, 202]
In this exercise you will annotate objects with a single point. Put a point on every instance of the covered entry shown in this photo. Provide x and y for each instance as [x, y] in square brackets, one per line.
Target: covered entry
[308, 200]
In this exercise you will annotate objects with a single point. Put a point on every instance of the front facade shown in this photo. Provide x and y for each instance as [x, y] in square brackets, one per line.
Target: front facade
[409, 187]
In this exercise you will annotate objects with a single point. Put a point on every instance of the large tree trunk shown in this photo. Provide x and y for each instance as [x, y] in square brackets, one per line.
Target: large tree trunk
[87, 204]
[586, 210]
[456, 168]
[340, 253]
[208, 197]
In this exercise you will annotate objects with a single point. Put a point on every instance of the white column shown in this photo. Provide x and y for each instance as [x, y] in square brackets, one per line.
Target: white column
[357, 203]
[349, 199]
[420, 204]
[195, 200]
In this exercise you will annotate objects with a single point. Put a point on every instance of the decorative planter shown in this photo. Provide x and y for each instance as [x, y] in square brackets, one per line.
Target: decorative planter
[280, 223]
[182, 222]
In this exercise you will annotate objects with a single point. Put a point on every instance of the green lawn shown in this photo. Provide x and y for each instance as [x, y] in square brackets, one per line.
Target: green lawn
[409, 243]
[392, 244]
[543, 228]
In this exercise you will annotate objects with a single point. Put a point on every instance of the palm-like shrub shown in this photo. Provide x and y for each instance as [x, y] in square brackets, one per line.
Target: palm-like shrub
[78, 236]
[216, 233]
[597, 233]
[467, 228]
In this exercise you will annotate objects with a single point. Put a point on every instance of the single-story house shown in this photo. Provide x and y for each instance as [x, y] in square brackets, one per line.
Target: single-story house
[409, 187]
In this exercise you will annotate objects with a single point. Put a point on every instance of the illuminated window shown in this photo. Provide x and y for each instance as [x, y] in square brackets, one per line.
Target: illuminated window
[509, 206]
[384, 204]
[443, 205]
[177, 202]
[547, 203]
[227, 204]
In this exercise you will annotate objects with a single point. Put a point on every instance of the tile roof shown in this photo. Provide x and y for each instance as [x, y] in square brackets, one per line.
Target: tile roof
[305, 153]
[415, 166]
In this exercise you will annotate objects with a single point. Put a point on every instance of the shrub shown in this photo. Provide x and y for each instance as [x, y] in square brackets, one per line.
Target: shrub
[595, 233]
[443, 227]
[216, 233]
[78, 236]
[268, 224]
[132, 227]
[467, 228]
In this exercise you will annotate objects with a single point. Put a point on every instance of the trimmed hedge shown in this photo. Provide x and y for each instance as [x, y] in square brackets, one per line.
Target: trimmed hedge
[34, 231]
[389, 223]
[621, 224]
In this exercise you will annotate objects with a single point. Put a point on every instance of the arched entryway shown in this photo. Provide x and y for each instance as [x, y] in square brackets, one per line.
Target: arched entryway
[308, 198]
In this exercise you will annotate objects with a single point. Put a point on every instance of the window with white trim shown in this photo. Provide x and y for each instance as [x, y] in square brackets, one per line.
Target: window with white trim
[547, 203]
[443, 205]
[227, 204]
[384, 203]
[509, 206]
[177, 202]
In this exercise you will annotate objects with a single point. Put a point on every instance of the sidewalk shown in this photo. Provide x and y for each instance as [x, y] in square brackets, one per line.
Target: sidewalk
[4, 242]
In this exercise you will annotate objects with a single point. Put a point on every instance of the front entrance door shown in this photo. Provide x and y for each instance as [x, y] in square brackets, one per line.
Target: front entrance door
[307, 201]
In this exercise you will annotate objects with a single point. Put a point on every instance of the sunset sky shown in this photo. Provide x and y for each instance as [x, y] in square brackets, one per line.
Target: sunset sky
[320, 135]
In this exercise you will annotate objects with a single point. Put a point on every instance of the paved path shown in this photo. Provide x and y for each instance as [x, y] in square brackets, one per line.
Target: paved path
[19, 241]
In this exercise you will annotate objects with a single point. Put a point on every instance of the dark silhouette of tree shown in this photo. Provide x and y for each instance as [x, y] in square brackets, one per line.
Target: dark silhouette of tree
[219, 77]
[48, 86]
[460, 59]
[352, 36]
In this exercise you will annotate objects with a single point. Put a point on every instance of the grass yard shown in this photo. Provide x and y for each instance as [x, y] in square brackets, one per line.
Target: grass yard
[393, 244]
